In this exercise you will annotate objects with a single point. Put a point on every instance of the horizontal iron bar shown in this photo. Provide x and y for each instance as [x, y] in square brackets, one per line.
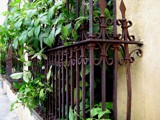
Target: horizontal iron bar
[91, 40]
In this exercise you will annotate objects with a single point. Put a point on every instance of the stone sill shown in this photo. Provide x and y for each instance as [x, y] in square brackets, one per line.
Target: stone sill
[23, 113]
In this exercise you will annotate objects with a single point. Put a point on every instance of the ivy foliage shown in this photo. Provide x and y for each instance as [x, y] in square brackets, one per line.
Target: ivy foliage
[37, 24]
[96, 112]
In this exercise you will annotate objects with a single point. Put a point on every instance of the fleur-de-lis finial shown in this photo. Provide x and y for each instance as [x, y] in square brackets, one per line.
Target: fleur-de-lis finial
[122, 9]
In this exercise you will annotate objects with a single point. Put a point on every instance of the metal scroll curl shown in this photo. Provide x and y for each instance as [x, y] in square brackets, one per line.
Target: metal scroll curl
[131, 59]
[125, 25]
[103, 49]
[139, 53]
[83, 57]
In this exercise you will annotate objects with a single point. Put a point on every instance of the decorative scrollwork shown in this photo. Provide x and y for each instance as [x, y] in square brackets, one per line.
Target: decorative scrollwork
[109, 60]
[84, 59]
[131, 59]
[98, 59]
[125, 34]
[139, 53]
[66, 54]
[123, 53]
[104, 49]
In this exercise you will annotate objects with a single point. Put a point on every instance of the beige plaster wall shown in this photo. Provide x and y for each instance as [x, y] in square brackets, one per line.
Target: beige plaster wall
[145, 15]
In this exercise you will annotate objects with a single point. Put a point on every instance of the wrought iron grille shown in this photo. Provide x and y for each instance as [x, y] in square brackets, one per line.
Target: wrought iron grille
[93, 50]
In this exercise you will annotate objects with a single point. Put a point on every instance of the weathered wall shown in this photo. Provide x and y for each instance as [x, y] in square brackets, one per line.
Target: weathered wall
[145, 71]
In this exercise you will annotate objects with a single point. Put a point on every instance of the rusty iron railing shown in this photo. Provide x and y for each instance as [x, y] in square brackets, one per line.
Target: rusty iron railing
[100, 50]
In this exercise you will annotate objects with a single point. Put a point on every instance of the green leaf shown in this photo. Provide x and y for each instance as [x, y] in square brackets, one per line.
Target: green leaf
[65, 31]
[49, 73]
[28, 63]
[89, 119]
[30, 13]
[107, 13]
[35, 55]
[30, 33]
[51, 12]
[69, 27]
[31, 52]
[109, 105]
[44, 20]
[27, 76]
[96, 28]
[23, 36]
[16, 75]
[16, 85]
[18, 24]
[67, 43]
[75, 93]
[86, 84]
[79, 22]
[44, 56]
[87, 71]
[41, 84]
[27, 21]
[100, 114]
[50, 40]
[42, 94]
[74, 34]
[49, 90]
[95, 111]
[58, 30]
[71, 114]
[15, 43]
[36, 22]
[37, 31]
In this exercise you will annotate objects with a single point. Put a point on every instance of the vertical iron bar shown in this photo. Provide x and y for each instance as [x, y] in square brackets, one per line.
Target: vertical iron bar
[9, 62]
[90, 18]
[48, 110]
[115, 83]
[56, 85]
[91, 63]
[114, 19]
[129, 90]
[67, 86]
[103, 80]
[53, 63]
[102, 5]
[63, 86]
[59, 76]
[46, 67]
[127, 59]
[77, 84]
[83, 67]
[77, 8]
[49, 95]
[72, 81]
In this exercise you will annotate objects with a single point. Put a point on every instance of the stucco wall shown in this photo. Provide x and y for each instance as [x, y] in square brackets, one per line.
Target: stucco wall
[146, 70]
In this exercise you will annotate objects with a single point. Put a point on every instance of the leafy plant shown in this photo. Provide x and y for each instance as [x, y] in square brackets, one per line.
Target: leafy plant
[32, 91]
[96, 113]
